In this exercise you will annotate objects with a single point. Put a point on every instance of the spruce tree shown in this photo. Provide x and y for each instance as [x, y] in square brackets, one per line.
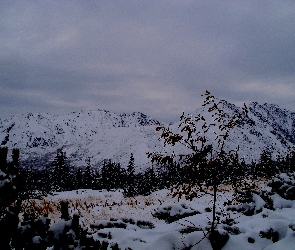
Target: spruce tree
[290, 160]
[129, 187]
[60, 172]
[111, 175]
[88, 176]
[79, 179]
[266, 166]
[97, 180]
[150, 182]
[116, 176]
[105, 175]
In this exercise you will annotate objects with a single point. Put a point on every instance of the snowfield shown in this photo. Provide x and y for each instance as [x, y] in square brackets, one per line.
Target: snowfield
[133, 223]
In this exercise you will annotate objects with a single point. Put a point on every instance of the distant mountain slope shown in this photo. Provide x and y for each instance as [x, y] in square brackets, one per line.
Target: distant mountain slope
[97, 135]
[267, 128]
[100, 135]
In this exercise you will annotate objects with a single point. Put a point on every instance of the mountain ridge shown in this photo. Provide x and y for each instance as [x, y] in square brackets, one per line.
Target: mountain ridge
[98, 134]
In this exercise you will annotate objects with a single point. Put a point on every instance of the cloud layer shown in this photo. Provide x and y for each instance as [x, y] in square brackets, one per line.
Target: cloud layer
[157, 57]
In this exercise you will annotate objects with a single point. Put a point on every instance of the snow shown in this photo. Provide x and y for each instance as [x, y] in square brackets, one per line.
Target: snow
[4, 182]
[101, 135]
[175, 209]
[58, 228]
[2, 174]
[280, 202]
[259, 202]
[268, 229]
[288, 243]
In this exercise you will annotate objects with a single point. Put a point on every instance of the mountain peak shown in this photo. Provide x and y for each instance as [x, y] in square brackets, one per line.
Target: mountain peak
[100, 134]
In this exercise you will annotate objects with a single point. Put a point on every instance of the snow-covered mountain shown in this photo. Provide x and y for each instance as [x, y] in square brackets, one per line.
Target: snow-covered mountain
[267, 127]
[99, 135]
[95, 135]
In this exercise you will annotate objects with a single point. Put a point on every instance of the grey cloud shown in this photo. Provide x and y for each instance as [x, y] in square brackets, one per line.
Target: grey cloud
[153, 56]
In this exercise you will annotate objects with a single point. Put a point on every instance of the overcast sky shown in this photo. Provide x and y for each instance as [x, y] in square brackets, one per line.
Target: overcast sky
[157, 57]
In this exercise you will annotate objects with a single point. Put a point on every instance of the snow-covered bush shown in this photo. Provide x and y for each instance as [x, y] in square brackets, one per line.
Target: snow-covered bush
[32, 234]
[121, 223]
[252, 201]
[218, 239]
[284, 185]
[270, 234]
[174, 212]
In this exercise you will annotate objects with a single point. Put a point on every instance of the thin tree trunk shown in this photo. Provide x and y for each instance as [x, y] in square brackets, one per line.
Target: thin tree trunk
[214, 208]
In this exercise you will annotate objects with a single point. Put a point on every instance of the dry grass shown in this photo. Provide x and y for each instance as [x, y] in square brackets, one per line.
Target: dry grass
[94, 206]
[91, 208]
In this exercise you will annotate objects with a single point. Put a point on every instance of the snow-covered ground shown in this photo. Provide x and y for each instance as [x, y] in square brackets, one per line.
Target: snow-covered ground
[140, 229]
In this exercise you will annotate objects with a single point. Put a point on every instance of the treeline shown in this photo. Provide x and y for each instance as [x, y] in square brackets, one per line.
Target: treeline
[59, 176]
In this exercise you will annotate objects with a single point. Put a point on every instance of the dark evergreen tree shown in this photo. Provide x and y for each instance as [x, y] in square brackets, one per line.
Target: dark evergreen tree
[161, 173]
[141, 187]
[97, 183]
[149, 182]
[266, 166]
[290, 160]
[252, 169]
[281, 164]
[9, 178]
[130, 185]
[173, 174]
[61, 178]
[105, 174]
[15, 158]
[111, 175]
[117, 176]
[3, 158]
[9, 203]
[88, 176]
[79, 179]
[34, 181]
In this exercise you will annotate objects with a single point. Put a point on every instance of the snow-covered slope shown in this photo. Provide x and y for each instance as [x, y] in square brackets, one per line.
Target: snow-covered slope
[267, 127]
[97, 135]
[101, 135]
